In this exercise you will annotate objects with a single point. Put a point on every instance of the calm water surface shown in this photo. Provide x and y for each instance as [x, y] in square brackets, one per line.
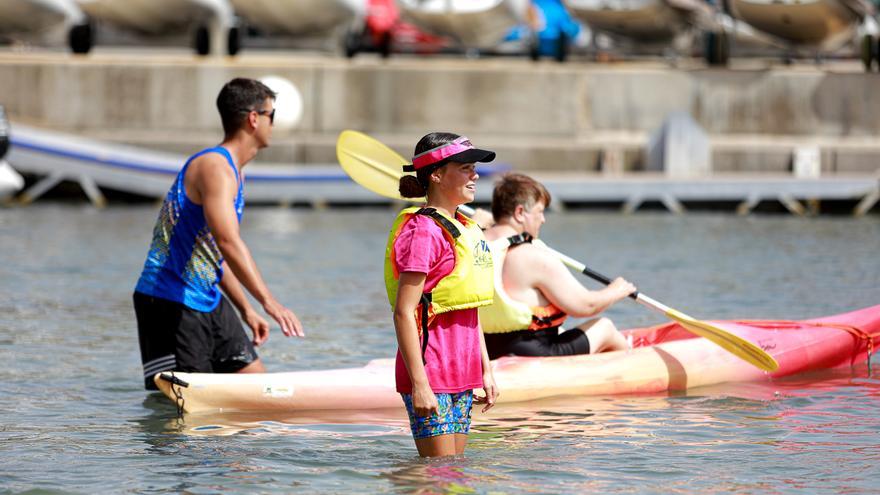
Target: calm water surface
[75, 419]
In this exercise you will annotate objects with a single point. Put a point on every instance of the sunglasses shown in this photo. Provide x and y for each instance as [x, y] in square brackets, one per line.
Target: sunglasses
[270, 113]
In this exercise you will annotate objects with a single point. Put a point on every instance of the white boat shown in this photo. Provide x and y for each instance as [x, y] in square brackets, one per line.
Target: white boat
[479, 24]
[300, 17]
[644, 20]
[52, 20]
[97, 165]
[210, 22]
[10, 181]
[679, 26]
[824, 25]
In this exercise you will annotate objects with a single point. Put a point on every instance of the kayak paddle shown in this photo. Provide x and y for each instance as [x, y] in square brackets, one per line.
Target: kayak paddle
[379, 168]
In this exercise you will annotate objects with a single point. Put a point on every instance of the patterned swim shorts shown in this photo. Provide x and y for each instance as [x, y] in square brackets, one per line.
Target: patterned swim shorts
[453, 415]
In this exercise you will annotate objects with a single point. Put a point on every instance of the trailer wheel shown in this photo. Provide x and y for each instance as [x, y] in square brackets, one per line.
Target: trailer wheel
[81, 38]
[385, 44]
[723, 57]
[202, 40]
[534, 47]
[234, 41]
[4, 133]
[351, 43]
[866, 51]
[562, 47]
[877, 52]
[717, 49]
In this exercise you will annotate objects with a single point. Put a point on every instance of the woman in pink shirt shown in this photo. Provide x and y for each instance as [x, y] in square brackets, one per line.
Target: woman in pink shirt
[438, 271]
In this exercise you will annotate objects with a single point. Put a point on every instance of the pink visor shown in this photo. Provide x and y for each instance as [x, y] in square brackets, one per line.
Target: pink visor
[461, 150]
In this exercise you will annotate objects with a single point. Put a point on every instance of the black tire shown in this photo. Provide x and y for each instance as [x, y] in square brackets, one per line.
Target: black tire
[385, 44]
[4, 133]
[234, 41]
[866, 52]
[717, 49]
[874, 42]
[562, 47]
[81, 38]
[202, 41]
[710, 39]
[351, 44]
[877, 53]
[534, 47]
[723, 55]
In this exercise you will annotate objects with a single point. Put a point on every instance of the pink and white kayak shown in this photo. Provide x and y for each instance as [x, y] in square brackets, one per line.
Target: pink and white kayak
[664, 358]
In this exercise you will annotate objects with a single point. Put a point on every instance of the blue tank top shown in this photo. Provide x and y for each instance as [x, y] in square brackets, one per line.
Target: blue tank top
[184, 264]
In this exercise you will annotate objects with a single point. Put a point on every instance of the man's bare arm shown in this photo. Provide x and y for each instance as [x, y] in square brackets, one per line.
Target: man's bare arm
[559, 286]
[216, 185]
[234, 291]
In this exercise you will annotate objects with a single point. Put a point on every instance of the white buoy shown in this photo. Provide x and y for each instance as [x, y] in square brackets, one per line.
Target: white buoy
[288, 102]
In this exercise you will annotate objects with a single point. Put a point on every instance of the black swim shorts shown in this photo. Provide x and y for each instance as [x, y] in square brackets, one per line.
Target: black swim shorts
[535, 343]
[175, 337]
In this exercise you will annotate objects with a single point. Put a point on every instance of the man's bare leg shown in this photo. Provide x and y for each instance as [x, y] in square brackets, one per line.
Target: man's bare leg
[254, 367]
[603, 336]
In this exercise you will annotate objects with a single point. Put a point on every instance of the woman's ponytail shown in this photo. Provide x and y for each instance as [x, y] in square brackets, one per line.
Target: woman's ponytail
[411, 187]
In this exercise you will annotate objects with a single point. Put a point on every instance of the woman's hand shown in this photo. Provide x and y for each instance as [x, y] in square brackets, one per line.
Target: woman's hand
[424, 401]
[491, 391]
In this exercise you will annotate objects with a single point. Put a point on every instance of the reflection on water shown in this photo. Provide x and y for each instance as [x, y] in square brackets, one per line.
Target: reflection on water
[75, 418]
[732, 438]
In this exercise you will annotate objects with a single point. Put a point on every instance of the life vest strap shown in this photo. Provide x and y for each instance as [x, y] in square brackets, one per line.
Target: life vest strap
[516, 240]
[425, 303]
[449, 226]
[549, 321]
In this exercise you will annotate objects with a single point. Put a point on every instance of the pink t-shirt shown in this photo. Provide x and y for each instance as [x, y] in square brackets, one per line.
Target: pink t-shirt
[452, 359]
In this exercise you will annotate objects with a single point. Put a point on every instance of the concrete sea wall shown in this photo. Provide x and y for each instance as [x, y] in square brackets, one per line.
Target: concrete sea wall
[543, 116]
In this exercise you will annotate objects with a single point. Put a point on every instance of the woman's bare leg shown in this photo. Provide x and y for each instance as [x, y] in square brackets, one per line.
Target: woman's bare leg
[441, 445]
[460, 442]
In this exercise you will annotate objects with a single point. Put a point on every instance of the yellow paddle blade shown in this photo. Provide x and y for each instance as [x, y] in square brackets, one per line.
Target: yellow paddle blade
[742, 348]
[370, 163]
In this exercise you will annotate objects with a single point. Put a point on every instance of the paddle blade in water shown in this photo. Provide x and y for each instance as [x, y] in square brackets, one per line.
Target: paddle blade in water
[370, 163]
[742, 348]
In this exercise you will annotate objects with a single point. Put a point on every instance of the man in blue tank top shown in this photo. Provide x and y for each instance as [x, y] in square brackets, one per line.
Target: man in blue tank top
[185, 322]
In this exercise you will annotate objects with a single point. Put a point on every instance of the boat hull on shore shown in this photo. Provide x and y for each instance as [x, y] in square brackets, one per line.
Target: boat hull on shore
[158, 17]
[665, 358]
[300, 17]
[824, 24]
[645, 20]
[479, 24]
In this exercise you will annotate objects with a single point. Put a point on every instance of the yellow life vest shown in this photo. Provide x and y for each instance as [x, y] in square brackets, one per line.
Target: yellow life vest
[506, 314]
[469, 285]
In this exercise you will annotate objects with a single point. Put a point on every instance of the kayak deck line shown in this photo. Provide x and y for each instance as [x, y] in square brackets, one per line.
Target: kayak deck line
[853, 330]
[665, 358]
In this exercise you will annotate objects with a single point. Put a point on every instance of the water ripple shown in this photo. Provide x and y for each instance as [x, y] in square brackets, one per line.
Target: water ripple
[75, 419]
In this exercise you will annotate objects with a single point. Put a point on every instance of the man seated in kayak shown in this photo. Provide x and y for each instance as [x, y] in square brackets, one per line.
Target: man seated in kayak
[534, 291]
[185, 322]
